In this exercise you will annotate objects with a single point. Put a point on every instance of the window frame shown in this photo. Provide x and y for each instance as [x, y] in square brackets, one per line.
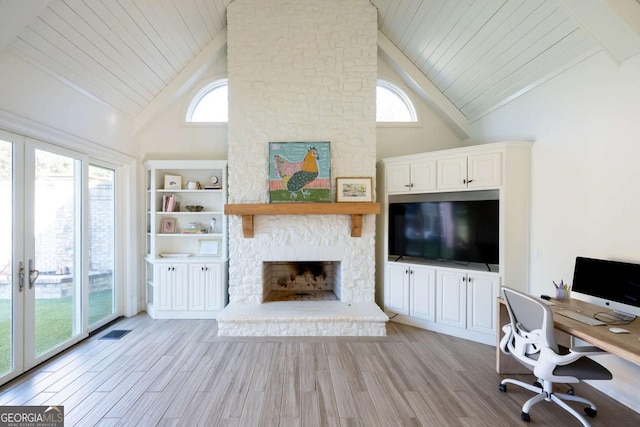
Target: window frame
[404, 96]
[197, 96]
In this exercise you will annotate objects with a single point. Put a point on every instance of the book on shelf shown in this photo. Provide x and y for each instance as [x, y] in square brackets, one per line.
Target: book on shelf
[193, 231]
[170, 203]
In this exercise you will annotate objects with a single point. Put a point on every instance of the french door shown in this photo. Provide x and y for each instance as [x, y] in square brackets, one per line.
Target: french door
[56, 252]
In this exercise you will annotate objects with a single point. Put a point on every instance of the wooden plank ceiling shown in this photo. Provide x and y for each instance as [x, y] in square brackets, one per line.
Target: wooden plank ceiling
[479, 54]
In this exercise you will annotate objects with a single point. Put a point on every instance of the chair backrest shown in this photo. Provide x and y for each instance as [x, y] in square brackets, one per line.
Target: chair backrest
[531, 326]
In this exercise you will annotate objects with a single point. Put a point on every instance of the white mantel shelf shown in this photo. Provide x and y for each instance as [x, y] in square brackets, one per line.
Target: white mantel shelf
[356, 210]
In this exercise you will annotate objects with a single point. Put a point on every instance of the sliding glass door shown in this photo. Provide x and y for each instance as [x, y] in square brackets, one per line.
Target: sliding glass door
[57, 262]
[8, 246]
[102, 239]
[53, 255]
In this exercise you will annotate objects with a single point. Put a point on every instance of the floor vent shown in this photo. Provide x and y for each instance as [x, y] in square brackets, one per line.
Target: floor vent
[116, 334]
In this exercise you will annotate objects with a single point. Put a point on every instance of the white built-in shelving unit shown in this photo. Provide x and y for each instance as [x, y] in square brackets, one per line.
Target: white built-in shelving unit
[450, 298]
[186, 251]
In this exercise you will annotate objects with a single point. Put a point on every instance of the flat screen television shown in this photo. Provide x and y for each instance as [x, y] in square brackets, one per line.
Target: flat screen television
[450, 227]
[610, 284]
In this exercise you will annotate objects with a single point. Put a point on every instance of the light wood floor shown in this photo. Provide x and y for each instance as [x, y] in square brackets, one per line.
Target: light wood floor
[178, 372]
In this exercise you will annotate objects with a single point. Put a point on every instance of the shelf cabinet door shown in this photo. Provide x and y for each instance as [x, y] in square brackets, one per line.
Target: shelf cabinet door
[163, 285]
[398, 178]
[397, 289]
[452, 173]
[198, 284]
[180, 289]
[423, 293]
[482, 293]
[214, 292]
[423, 176]
[452, 298]
[205, 282]
[172, 287]
[484, 170]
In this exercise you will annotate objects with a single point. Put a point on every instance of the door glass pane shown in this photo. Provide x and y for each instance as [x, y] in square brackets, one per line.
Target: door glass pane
[6, 264]
[56, 223]
[101, 243]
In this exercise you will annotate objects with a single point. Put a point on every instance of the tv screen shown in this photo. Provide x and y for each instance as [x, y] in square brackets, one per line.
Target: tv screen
[465, 231]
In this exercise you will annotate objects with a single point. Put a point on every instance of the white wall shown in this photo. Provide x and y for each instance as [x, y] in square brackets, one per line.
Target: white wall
[585, 175]
[29, 93]
[430, 134]
[168, 137]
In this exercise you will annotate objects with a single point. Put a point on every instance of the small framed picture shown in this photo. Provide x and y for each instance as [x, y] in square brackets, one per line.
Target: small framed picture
[210, 247]
[168, 225]
[354, 189]
[172, 182]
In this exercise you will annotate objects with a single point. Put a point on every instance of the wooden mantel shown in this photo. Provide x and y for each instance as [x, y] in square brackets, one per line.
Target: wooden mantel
[356, 210]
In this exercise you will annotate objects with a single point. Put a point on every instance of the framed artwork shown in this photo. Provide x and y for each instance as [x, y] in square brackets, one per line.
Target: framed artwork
[168, 225]
[172, 182]
[210, 247]
[299, 172]
[354, 190]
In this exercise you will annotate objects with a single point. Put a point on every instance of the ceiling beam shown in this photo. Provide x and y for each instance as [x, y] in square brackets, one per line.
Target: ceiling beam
[613, 24]
[183, 82]
[422, 86]
[15, 16]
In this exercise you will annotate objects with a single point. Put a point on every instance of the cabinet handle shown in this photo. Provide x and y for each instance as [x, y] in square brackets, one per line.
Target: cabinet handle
[408, 185]
[464, 279]
[406, 271]
[470, 279]
[469, 181]
[411, 272]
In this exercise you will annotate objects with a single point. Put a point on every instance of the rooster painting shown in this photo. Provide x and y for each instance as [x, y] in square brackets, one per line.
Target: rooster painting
[307, 173]
[298, 180]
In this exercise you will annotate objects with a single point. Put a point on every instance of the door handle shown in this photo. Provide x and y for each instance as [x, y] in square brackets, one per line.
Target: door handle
[33, 274]
[20, 276]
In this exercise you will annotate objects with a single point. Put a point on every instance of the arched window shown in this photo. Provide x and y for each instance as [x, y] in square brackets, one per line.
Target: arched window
[210, 104]
[393, 105]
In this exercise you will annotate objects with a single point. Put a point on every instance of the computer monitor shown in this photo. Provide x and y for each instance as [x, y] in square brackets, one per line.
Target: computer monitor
[610, 284]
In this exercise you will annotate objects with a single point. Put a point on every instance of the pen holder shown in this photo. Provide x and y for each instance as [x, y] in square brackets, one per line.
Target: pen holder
[562, 294]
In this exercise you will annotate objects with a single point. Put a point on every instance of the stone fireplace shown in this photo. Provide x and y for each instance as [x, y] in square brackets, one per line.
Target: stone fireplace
[300, 71]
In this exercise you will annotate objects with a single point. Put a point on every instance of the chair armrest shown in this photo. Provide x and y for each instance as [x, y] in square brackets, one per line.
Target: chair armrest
[587, 350]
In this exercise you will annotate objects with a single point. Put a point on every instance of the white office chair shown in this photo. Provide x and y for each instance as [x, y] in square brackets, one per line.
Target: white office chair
[530, 340]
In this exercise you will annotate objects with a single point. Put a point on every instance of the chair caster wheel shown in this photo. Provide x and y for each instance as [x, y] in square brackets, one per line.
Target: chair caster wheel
[503, 388]
[591, 412]
[525, 417]
[537, 384]
[572, 392]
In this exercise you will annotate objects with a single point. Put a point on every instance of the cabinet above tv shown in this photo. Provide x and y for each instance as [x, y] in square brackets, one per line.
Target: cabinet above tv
[496, 171]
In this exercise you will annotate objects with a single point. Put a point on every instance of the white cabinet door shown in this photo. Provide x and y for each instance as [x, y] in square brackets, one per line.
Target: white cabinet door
[180, 288]
[397, 289]
[452, 298]
[198, 286]
[452, 173]
[422, 291]
[398, 178]
[163, 286]
[214, 292]
[484, 170]
[172, 286]
[482, 294]
[423, 176]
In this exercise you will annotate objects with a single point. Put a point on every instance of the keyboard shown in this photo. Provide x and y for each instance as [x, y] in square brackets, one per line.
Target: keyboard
[580, 317]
